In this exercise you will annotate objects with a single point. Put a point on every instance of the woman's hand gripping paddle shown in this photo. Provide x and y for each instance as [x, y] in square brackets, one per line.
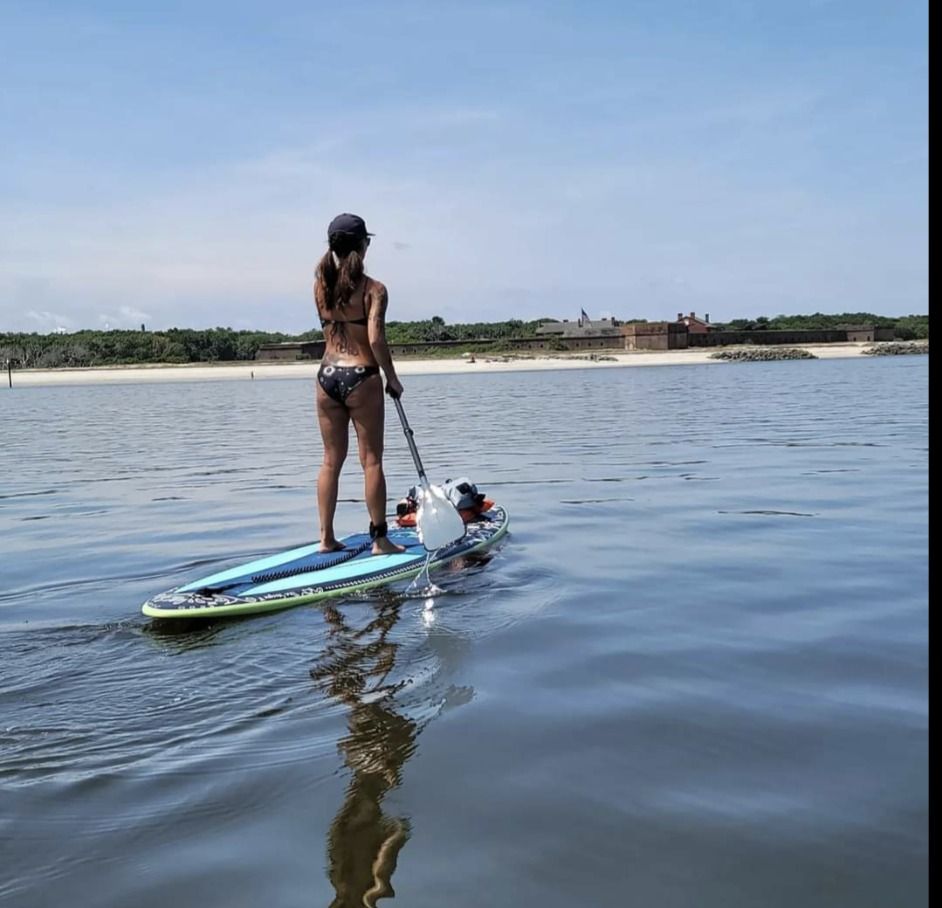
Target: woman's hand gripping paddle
[437, 519]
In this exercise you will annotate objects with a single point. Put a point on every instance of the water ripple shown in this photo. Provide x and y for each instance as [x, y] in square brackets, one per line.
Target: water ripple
[695, 674]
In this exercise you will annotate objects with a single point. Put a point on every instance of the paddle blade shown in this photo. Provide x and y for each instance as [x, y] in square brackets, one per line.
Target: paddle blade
[437, 519]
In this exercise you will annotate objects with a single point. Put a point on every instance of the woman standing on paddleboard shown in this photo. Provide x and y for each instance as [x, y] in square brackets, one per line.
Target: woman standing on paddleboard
[352, 310]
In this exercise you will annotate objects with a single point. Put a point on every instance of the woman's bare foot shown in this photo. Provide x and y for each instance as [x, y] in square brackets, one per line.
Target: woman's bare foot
[331, 545]
[382, 546]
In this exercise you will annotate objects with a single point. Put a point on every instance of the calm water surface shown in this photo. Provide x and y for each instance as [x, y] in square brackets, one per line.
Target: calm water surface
[695, 674]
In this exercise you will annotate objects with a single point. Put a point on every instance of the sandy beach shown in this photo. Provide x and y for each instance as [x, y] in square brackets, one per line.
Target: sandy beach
[266, 371]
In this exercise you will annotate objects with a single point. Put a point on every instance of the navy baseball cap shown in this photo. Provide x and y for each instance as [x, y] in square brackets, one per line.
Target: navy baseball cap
[350, 225]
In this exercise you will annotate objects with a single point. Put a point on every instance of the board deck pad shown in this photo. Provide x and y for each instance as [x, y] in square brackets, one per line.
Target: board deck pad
[303, 574]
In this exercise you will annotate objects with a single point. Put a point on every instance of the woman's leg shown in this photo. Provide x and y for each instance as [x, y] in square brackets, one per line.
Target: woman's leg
[367, 410]
[334, 420]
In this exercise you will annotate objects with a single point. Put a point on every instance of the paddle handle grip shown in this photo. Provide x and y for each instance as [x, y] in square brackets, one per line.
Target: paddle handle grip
[407, 429]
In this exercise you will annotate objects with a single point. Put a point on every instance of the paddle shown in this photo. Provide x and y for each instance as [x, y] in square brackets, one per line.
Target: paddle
[438, 520]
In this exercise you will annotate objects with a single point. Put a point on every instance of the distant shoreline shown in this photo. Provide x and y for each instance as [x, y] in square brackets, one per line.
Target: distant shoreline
[268, 371]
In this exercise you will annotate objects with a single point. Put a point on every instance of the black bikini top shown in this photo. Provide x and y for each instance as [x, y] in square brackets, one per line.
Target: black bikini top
[344, 321]
[333, 322]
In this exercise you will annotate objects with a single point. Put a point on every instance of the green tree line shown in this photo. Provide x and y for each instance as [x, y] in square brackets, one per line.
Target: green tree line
[907, 327]
[188, 345]
[107, 348]
[435, 329]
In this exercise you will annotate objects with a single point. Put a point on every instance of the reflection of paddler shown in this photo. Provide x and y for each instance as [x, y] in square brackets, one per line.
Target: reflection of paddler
[364, 843]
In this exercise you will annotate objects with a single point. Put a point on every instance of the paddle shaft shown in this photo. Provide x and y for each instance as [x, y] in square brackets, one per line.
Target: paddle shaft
[423, 479]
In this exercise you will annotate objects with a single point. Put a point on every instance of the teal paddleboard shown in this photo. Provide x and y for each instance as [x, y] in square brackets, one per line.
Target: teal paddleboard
[303, 574]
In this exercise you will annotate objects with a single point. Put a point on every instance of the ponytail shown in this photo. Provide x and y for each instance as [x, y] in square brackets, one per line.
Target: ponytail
[335, 285]
[325, 280]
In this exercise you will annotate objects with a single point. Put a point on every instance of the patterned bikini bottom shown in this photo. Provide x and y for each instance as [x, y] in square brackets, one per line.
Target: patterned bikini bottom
[339, 382]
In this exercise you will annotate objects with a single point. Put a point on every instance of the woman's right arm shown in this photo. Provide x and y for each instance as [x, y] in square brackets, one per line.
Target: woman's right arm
[377, 333]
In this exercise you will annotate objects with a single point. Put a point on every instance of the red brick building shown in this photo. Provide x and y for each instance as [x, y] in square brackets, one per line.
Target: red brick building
[695, 325]
[655, 336]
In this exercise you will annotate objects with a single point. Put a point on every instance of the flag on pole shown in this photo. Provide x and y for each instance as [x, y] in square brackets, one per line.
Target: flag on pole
[584, 317]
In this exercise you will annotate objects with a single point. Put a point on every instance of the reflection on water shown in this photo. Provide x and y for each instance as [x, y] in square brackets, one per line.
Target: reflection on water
[698, 672]
[364, 842]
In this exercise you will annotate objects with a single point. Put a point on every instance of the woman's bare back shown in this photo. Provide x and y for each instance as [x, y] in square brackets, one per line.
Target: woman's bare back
[346, 329]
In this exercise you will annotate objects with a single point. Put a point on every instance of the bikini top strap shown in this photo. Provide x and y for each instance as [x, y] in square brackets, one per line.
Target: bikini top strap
[366, 293]
[364, 320]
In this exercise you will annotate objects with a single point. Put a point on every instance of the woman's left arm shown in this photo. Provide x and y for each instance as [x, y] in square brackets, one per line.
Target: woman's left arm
[377, 334]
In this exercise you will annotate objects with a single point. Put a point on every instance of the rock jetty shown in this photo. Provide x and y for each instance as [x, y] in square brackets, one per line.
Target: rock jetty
[762, 354]
[898, 349]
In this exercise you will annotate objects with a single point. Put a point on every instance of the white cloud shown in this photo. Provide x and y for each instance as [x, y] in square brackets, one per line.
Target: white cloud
[44, 322]
[123, 317]
[523, 234]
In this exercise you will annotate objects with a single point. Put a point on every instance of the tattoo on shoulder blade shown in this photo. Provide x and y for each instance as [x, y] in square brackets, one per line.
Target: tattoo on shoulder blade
[380, 300]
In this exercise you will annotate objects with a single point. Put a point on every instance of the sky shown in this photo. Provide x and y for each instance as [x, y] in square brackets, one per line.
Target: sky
[175, 164]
